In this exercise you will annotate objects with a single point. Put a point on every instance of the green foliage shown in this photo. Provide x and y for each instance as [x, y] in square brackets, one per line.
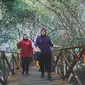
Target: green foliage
[61, 18]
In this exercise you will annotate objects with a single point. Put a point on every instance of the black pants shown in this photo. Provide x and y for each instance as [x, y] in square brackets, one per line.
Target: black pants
[25, 64]
[45, 61]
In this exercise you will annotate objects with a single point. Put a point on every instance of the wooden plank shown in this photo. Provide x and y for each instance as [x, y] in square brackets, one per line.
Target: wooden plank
[34, 78]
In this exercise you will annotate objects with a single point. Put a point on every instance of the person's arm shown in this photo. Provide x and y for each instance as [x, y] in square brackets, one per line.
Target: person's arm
[37, 42]
[50, 43]
[31, 48]
[19, 44]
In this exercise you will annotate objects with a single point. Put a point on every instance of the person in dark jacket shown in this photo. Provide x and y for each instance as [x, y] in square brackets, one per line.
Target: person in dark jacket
[44, 44]
[26, 51]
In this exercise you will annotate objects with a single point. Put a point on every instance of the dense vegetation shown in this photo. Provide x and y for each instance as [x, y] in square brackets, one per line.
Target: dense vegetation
[63, 19]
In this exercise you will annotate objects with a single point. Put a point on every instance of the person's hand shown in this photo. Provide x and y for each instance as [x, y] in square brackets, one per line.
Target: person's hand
[38, 50]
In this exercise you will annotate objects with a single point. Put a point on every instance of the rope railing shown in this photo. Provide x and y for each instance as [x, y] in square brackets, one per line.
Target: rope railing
[8, 65]
[67, 60]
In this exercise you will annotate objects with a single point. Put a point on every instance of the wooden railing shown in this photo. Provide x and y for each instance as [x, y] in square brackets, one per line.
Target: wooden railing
[64, 66]
[67, 62]
[7, 65]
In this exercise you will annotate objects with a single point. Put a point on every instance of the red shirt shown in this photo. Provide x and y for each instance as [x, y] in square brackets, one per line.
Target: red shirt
[26, 48]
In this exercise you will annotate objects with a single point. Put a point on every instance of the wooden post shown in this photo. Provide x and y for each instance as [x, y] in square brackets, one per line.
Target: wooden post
[3, 58]
[18, 62]
[2, 82]
[61, 61]
[84, 61]
[13, 61]
[64, 67]
[9, 66]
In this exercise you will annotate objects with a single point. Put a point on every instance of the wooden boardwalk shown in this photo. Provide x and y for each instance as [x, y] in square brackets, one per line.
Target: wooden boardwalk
[34, 78]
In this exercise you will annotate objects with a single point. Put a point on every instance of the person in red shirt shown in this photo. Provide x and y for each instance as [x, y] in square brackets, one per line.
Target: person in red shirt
[25, 46]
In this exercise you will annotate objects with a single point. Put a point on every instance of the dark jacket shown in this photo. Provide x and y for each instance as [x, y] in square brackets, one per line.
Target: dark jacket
[44, 43]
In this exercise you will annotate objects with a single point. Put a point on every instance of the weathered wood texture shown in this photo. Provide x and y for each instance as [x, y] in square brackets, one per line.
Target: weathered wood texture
[34, 78]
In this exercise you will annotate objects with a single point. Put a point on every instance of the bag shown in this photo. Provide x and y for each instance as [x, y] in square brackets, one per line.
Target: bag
[37, 49]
